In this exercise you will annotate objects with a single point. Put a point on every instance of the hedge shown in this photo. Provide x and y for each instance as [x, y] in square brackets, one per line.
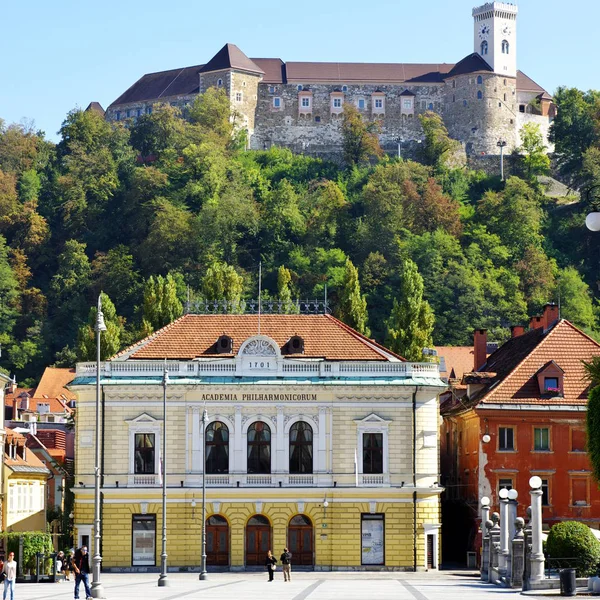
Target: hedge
[574, 540]
[33, 542]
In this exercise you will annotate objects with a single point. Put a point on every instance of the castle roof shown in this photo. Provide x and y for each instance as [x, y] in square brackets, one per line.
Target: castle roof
[185, 82]
[95, 107]
[231, 57]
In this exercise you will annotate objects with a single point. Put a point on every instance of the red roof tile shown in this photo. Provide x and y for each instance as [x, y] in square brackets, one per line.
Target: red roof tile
[457, 359]
[194, 336]
[52, 385]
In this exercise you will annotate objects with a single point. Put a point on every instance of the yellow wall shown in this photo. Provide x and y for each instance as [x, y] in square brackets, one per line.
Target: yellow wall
[33, 519]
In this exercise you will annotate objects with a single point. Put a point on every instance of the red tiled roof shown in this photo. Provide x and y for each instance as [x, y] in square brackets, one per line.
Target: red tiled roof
[458, 359]
[193, 336]
[52, 385]
[31, 459]
[518, 361]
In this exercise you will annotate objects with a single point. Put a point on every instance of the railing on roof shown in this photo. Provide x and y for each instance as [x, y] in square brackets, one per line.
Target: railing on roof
[288, 368]
[267, 307]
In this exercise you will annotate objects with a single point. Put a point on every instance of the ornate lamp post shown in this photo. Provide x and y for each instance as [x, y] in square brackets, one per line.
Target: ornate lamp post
[163, 580]
[97, 588]
[501, 144]
[203, 573]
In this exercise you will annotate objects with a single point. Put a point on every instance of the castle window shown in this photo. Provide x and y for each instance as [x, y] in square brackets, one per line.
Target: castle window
[484, 47]
[430, 106]
[317, 119]
[361, 103]
[276, 102]
[378, 102]
[454, 83]
[305, 102]
[505, 82]
[128, 114]
[219, 82]
[149, 110]
[464, 102]
[406, 103]
[504, 97]
[505, 47]
[238, 96]
[271, 89]
[300, 88]
[453, 98]
[139, 112]
[118, 115]
[243, 84]
[337, 103]
[479, 95]
[479, 79]
[344, 88]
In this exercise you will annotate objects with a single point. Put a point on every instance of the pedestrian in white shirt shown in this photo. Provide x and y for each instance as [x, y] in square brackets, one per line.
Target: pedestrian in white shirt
[10, 574]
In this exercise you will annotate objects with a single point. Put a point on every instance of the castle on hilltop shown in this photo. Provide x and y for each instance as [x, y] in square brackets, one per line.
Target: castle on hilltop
[483, 98]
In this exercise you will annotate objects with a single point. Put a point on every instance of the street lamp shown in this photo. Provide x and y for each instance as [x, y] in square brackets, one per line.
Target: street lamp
[203, 573]
[162, 580]
[501, 144]
[97, 588]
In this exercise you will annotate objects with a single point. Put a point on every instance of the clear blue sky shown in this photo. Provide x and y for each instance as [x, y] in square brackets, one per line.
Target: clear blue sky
[61, 54]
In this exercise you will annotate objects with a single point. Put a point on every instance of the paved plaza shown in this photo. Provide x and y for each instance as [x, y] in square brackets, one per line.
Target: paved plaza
[446, 585]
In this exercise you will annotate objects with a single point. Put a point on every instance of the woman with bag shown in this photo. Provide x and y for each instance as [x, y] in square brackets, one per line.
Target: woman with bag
[271, 564]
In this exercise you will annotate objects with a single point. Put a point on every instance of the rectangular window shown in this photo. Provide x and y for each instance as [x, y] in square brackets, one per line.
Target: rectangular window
[276, 102]
[118, 116]
[238, 96]
[378, 102]
[305, 102]
[506, 439]
[128, 114]
[545, 493]
[372, 539]
[579, 491]
[361, 103]
[372, 453]
[148, 110]
[506, 482]
[577, 440]
[143, 540]
[337, 103]
[407, 103]
[551, 384]
[541, 439]
[144, 463]
[271, 89]
[139, 112]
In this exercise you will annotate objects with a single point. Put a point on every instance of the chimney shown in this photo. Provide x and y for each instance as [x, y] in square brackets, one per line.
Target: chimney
[536, 322]
[15, 415]
[550, 315]
[479, 348]
[516, 331]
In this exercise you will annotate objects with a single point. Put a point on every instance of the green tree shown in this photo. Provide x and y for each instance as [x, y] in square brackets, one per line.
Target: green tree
[437, 146]
[351, 306]
[155, 133]
[212, 112]
[360, 140]
[284, 278]
[576, 303]
[535, 158]
[160, 305]
[221, 282]
[410, 326]
[110, 340]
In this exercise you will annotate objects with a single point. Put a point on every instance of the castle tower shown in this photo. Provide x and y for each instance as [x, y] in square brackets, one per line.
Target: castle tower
[495, 36]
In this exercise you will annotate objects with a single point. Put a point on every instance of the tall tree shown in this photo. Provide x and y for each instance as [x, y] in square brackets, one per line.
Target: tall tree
[410, 325]
[110, 340]
[222, 283]
[161, 305]
[535, 157]
[284, 278]
[360, 139]
[438, 146]
[352, 305]
[593, 427]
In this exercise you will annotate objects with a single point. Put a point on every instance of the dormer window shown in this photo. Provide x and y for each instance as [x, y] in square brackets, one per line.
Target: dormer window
[225, 345]
[551, 380]
[551, 384]
[295, 345]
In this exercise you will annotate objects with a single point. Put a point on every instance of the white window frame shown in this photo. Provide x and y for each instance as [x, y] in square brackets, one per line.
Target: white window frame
[144, 423]
[407, 103]
[239, 97]
[379, 103]
[364, 103]
[277, 102]
[434, 530]
[315, 442]
[305, 102]
[272, 423]
[231, 444]
[372, 424]
[335, 100]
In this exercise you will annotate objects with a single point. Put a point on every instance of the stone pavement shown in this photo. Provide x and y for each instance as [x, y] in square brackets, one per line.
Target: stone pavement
[446, 585]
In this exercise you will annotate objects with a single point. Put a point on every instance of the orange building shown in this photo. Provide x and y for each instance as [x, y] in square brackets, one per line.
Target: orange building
[520, 412]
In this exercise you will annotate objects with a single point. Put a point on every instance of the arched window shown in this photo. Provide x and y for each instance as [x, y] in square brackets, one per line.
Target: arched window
[479, 95]
[479, 79]
[259, 448]
[219, 82]
[301, 448]
[505, 47]
[217, 448]
[484, 47]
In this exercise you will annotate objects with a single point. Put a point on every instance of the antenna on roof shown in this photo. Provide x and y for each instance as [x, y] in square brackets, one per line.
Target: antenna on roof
[259, 292]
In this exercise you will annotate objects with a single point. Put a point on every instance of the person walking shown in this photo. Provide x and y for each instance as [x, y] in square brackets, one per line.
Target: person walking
[286, 564]
[10, 575]
[81, 566]
[270, 563]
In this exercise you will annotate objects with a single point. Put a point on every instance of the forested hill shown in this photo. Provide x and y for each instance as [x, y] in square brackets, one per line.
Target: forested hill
[412, 253]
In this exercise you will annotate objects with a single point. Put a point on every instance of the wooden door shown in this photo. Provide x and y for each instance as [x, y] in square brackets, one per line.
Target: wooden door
[217, 541]
[258, 540]
[300, 541]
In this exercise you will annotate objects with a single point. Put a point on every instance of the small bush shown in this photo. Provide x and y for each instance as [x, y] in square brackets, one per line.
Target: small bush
[574, 540]
[33, 542]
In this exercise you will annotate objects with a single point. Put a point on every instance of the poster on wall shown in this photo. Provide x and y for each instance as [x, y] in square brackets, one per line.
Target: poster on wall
[144, 541]
[372, 540]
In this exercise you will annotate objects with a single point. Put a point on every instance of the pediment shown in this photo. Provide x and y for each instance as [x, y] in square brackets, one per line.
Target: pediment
[260, 345]
[372, 419]
[143, 419]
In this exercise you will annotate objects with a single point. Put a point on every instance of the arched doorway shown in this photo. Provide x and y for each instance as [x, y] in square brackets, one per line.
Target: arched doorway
[258, 540]
[301, 540]
[217, 541]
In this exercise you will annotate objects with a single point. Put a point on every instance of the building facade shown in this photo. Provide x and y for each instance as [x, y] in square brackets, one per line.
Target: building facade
[483, 98]
[521, 412]
[317, 439]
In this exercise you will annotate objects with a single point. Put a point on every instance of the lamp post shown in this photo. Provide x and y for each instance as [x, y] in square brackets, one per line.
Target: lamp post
[163, 580]
[400, 147]
[501, 144]
[203, 574]
[97, 588]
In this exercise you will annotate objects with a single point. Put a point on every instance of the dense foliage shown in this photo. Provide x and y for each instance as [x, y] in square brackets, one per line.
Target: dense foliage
[33, 542]
[573, 540]
[165, 210]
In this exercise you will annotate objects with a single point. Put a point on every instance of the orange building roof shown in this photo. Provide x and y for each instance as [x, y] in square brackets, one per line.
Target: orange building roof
[517, 362]
[458, 360]
[52, 384]
[195, 336]
[31, 463]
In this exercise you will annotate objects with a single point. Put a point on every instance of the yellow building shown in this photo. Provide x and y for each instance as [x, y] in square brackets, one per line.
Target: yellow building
[317, 438]
[24, 488]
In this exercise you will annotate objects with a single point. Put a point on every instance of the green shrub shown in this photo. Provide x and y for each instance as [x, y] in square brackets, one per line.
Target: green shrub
[574, 540]
[33, 542]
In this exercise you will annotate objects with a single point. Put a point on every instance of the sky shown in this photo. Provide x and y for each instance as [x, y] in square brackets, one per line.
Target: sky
[63, 54]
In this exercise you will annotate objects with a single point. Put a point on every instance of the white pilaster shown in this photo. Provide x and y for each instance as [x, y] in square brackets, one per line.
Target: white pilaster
[280, 466]
[322, 456]
[239, 465]
[194, 415]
